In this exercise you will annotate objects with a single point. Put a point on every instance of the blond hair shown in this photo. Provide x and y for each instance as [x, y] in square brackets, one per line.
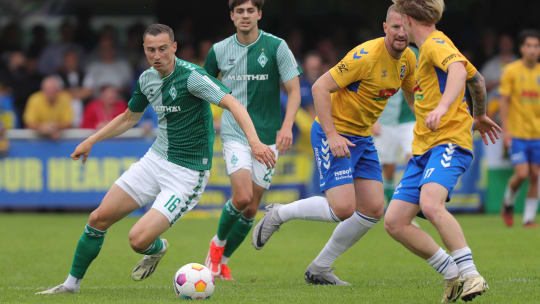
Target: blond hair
[426, 11]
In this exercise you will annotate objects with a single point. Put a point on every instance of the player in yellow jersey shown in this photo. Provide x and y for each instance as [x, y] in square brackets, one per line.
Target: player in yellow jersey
[348, 100]
[520, 116]
[442, 150]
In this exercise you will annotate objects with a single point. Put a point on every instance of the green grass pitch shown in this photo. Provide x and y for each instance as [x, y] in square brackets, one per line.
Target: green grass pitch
[36, 252]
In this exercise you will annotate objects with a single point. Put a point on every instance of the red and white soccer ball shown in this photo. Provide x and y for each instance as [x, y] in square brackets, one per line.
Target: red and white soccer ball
[193, 281]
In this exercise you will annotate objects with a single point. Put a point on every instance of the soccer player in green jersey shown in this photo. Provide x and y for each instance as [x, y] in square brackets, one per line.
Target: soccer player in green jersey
[252, 63]
[175, 170]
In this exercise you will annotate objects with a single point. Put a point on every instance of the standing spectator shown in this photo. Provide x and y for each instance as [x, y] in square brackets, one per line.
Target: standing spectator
[48, 111]
[11, 38]
[51, 57]
[38, 42]
[103, 109]
[312, 70]
[22, 79]
[108, 69]
[493, 68]
[71, 77]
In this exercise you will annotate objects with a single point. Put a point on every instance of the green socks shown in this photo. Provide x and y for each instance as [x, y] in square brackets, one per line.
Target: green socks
[238, 233]
[87, 250]
[228, 218]
[388, 190]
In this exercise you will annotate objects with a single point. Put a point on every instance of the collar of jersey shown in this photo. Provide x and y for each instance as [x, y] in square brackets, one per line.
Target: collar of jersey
[242, 45]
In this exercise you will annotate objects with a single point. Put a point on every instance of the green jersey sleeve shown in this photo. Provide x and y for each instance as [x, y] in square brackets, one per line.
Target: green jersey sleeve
[206, 87]
[210, 64]
[138, 101]
[288, 68]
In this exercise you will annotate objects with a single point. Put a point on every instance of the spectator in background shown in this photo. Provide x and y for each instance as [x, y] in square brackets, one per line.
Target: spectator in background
[187, 52]
[133, 52]
[103, 109]
[22, 79]
[492, 69]
[108, 69]
[312, 71]
[38, 42]
[8, 117]
[487, 47]
[11, 38]
[325, 48]
[51, 57]
[71, 77]
[48, 111]
[204, 47]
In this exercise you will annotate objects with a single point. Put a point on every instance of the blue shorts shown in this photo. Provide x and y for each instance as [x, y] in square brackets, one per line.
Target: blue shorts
[525, 151]
[443, 165]
[364, 161]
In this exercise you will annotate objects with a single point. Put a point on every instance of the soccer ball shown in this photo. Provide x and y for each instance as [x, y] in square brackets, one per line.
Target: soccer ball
[193, 281]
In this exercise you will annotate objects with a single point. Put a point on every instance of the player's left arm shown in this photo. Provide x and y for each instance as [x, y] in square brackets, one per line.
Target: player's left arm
[482, 123]
[455, 82]
[284, 137]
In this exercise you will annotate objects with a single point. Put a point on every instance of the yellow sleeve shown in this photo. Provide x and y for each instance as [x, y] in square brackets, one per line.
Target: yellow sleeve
[409, 81]
[31, 111]
[353, 67]
[443, 54]
[505, 89]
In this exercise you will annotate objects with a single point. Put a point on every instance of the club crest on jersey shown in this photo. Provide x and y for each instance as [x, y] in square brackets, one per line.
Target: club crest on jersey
[402, 72]
[262, 59]
[172, 92]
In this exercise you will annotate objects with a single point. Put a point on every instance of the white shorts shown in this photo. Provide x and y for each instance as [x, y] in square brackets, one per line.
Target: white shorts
[392, 139]
[238, 156]
[174, 189]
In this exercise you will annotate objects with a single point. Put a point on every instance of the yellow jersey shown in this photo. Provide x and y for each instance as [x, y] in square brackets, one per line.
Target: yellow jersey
[436, 54]
[367, 77]
[522, 85]
[38, 110]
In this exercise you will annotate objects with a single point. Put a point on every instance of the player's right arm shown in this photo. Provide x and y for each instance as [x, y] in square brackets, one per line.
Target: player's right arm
[321, 90]
[117, 126]
[120, 124]
[262, 152]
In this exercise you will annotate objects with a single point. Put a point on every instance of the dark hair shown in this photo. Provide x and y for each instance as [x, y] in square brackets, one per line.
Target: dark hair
[528, 33]
[157, 28]
[234, 3]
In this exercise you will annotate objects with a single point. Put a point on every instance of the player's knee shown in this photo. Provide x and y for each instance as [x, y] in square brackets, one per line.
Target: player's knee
[99, 220]
[137, 241]
[242, 200]
[522, 175]
[432, 211]
[343, 212]
[392, 225]
[374, 210]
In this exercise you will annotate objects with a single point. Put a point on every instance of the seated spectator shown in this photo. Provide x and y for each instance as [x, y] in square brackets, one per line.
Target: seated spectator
[48, 111]
[103, 109]
[108, 70]
[71, 77]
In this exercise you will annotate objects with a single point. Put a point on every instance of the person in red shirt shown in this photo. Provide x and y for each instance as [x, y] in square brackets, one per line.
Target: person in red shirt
[103, 109]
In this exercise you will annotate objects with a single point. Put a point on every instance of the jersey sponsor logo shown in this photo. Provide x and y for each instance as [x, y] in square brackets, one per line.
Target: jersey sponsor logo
[172, 92]
[358, 55]
[529, 96]
[167, 109]
[418, 93]
[385, 94]
[342, 174]
[262, 59]
[450, 57]
[402, 72]
[246, 77]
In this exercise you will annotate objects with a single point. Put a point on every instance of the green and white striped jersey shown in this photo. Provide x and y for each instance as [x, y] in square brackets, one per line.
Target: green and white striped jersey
[185, 133]
[253, 73]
